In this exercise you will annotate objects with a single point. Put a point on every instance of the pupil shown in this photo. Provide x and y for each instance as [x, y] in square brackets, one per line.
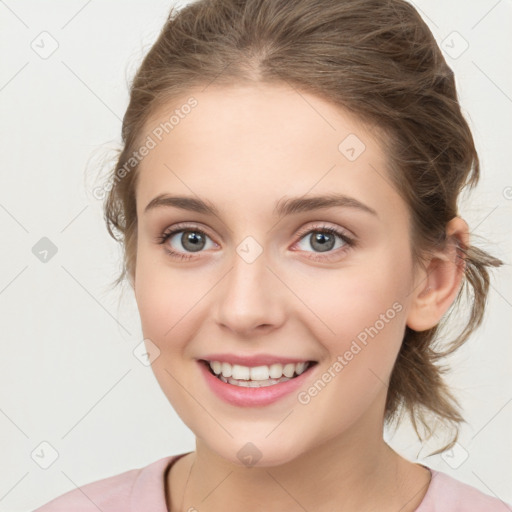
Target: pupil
[325, 241]
[193, 238]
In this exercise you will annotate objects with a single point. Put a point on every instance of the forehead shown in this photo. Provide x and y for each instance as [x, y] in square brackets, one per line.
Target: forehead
[259, 143]
[254, 112]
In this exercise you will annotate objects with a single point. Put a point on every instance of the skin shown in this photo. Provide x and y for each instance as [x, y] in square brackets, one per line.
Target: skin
[243, 149]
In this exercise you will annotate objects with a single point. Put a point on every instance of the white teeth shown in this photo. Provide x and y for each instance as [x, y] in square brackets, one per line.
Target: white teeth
[226, 370]
[276, 371]
[260, 373]
[257, 373]
[239, 372]
[300, 368]
[289, 370]
[253, 383]
[216, 367]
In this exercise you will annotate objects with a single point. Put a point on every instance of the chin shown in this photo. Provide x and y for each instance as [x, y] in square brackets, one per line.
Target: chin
[259, 453]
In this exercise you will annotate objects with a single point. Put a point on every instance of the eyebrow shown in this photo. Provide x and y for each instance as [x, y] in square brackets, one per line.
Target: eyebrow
[282, 208]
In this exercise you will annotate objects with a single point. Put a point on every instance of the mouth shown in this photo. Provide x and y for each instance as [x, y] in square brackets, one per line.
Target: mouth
[256, 376]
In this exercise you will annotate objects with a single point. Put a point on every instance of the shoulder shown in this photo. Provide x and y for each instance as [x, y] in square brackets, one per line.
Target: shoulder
[118, 492]
[446, 494]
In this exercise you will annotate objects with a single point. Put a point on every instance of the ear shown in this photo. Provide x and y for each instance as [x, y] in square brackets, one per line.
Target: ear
[436, 287]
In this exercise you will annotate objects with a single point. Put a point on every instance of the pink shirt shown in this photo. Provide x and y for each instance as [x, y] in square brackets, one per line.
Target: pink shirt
[142, 490]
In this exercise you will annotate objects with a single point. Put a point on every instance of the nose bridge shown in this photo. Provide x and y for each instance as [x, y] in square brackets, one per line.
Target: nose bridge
[249, 296]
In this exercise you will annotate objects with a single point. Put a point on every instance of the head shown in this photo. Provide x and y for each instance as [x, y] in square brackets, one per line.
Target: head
[246, 105]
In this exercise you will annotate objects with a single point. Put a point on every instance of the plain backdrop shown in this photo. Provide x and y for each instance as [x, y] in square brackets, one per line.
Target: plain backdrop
[73, 397]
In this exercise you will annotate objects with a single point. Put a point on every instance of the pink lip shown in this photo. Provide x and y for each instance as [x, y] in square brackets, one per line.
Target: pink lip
[253, 360]
[251, 397]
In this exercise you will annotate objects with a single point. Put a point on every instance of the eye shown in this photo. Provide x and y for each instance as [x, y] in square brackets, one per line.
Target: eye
[193, 239]
[323, 238]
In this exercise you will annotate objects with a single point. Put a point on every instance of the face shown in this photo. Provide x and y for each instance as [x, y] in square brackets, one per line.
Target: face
[258, 279]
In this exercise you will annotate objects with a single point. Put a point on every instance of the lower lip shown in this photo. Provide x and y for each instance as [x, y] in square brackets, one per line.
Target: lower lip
[252, 397]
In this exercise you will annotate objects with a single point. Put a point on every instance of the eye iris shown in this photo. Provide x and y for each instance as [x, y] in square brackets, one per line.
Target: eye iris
[326, 241]
[193, 238]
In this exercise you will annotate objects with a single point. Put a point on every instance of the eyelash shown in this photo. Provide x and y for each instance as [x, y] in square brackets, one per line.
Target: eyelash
[349, 242]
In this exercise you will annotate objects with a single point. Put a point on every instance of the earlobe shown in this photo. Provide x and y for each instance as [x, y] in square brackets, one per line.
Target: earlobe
[437, 286]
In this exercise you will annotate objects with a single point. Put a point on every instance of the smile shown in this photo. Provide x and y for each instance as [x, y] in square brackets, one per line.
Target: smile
[256, 376]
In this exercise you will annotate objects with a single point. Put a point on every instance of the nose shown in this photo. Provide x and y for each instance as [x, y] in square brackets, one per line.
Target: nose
[251, 298]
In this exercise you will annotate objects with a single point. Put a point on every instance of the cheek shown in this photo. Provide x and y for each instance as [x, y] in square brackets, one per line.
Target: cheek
[171, 306]
[361, 312]
[366, 321]
[160, 297]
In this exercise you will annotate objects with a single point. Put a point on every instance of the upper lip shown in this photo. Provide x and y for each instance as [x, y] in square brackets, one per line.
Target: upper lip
[254, 359]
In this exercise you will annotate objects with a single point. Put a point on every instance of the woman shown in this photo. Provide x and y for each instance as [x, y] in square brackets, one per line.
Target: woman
[286, 198]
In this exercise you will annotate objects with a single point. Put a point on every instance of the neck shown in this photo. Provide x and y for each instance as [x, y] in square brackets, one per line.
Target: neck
[356, 471]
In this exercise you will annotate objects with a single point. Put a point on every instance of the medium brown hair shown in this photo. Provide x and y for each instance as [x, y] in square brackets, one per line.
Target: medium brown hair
[378, 60]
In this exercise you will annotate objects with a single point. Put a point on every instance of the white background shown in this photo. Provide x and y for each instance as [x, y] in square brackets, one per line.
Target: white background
[68, 374]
